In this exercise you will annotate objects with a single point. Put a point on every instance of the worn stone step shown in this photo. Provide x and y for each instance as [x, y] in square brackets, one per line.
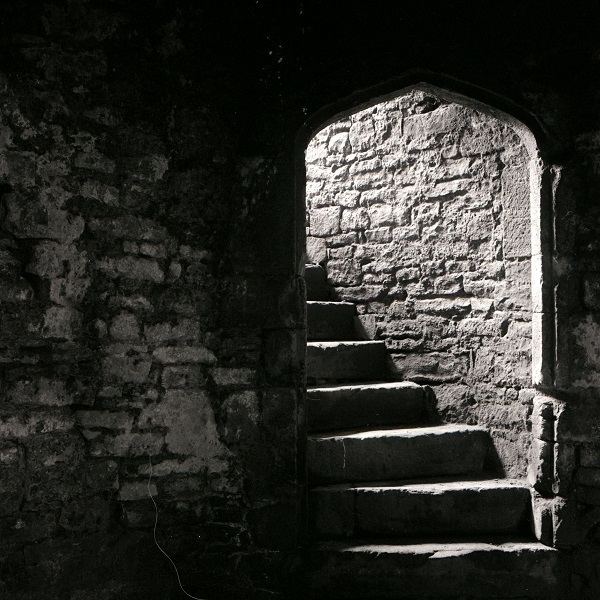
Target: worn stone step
[440, 571]
[417, 509]
[385, 454]
[331, 320]
[363, 405]
[316, 282]
[346, 361]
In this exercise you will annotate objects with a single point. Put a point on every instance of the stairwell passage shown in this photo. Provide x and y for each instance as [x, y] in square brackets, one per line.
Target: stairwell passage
[402, 507]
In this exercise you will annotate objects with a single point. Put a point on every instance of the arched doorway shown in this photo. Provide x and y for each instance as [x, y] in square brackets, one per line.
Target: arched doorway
[424, 216]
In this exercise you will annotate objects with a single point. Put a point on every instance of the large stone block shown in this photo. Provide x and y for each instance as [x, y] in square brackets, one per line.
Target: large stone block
[325, 221]
[184, 354]
[140, 269]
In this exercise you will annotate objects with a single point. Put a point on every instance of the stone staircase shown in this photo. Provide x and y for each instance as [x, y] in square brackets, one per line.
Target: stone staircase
[402, 507]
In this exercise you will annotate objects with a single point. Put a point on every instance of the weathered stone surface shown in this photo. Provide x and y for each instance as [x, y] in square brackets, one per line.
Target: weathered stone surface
[472, 507]
[343, 407]
[330, 321]
[184, 354]
[142, 269]
[316, 250]
[346, 361]
[191, 427]
[396, 453]
[129, 227]
[325, 221]
[134, 368]
[183, 376]
[434, 570]
[438, 221]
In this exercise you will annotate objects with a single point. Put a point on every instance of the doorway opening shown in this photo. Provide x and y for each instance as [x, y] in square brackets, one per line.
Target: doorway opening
[423, 209]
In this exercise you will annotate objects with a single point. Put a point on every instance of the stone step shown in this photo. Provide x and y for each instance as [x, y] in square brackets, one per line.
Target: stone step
[346, 361]
[316, 282]
[420, 509]
[440, 571]
[396, 453]
[330, 320]
[365, 405]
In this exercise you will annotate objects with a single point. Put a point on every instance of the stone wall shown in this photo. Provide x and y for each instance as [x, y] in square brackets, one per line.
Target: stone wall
[419, 210]
[140, 138]
[132, 343]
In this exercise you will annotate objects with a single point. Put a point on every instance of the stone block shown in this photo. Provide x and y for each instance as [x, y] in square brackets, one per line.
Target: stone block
[343, 273]
[542, 512]
[325, 221]
[381, 235]
[129, 227]
[23, 425]
[396, 454]
[139, 269]
[69, 290]
[127, 369]
[348, 406]
[43, 221]
[433, 367]
[52, 259]
[62, 322]
[184, 354]
[224, 376]
[339, 143]
[448, 285]
[540, 470]
[191, 428]
[368, 165]
[343, 239]
[16, 291]
[517, 237]
[125, 326]
[515, 191]
[444, 307]
[381, 215]
[443, 508]
[137, 490]
[96, 419]
[316, 250]
[347, 198]
[183, 377]
[96, 190]
[542, 418]
[183, 330]
[242, 418]
[86, 515]
[517, 284]
[94, 161]
[362, 135]
[340, 361]
[126, 444]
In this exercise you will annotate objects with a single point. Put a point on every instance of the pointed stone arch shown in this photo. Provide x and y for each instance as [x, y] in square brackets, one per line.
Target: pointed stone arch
[533, 138]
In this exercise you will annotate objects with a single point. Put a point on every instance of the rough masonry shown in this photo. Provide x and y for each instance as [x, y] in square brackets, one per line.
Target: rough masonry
[419, 210]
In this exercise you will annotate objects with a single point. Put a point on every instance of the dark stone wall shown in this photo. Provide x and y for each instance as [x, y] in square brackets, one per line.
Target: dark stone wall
[151, 246]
